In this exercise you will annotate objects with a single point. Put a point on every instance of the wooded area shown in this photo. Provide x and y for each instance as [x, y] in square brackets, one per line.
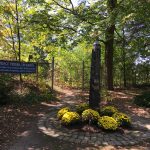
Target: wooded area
[37, 31]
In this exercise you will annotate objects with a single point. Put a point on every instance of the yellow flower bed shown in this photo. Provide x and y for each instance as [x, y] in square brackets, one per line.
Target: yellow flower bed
[70, 118]
[62, 111]
[108, 123]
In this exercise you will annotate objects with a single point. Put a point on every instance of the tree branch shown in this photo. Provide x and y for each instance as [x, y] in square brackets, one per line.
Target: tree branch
[72, 5]
[73, 12]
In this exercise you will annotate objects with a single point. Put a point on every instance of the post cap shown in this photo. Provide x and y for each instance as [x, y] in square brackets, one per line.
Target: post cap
[96, 43]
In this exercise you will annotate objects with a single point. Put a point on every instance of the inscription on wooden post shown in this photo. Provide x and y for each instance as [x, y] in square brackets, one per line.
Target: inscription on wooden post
[94, 97]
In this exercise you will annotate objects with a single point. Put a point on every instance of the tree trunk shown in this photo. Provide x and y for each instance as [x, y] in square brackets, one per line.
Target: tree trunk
[13, 41]
[18, 30]
[109, 50]
[18, 35]
[124, 61]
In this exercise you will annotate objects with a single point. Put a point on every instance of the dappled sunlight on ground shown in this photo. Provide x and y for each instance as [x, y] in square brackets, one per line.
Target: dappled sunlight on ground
[25, 133]
[17, 121]
[123, 99]
[120, 95]
[40, 115]
[50, 104]
[20, 122]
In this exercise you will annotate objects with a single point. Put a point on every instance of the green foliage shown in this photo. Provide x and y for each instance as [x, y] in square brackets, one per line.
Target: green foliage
[143, 99]
[48, 30]
[105, 94]
[90, 116]
[107, 123]
[81, 107]
[70, 118]
[62, 111]
[28, 93]
[47, 96]
[69, 65]
[6, 86]
[32, 98]
[108, 111]
[122, 119]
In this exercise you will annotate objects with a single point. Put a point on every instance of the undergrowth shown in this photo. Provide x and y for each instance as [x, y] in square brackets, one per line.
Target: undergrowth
[28, 93]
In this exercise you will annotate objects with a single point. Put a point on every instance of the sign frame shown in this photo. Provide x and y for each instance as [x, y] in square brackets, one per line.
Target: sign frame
[17, 67]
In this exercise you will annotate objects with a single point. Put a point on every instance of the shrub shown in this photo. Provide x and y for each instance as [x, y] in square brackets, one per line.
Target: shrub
[143, 99]
[108, 111]
[30, 98]
[122, 119]
[81, 107]
[6, 86]
[70, 118]
[90, 115]
[62, 111]
[46, 96]
[108, 123]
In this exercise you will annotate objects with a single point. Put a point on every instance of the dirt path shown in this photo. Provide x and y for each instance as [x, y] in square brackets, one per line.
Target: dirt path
[27, 136]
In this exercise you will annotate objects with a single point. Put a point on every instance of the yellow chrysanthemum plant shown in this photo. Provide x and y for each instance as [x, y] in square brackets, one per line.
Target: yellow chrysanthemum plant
[81, 107]
[122, 119]
[107, 123]
[90, 116]
[62, 111]
[70, 118]
[108, 111]
[108, 118]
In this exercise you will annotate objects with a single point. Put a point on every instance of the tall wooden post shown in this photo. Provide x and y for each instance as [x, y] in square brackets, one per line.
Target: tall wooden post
[83, 75]
[52, 73]
[94, 97]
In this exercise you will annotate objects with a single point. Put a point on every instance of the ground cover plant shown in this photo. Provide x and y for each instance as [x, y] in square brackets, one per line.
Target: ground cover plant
[107, 119]
[5, 86]
[108, 123]
[108, 111]
[29, 92]
[90, 116]
[62, 111]
[143, 100]
[70, 118]
[122, 119]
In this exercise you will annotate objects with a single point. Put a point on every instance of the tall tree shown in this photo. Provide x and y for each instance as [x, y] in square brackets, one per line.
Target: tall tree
[109, 43]
[18, 30]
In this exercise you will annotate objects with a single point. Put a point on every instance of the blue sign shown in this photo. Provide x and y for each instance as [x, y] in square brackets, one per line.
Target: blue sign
[17, 67]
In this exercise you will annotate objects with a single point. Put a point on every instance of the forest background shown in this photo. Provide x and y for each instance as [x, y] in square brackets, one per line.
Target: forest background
[38, 30]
